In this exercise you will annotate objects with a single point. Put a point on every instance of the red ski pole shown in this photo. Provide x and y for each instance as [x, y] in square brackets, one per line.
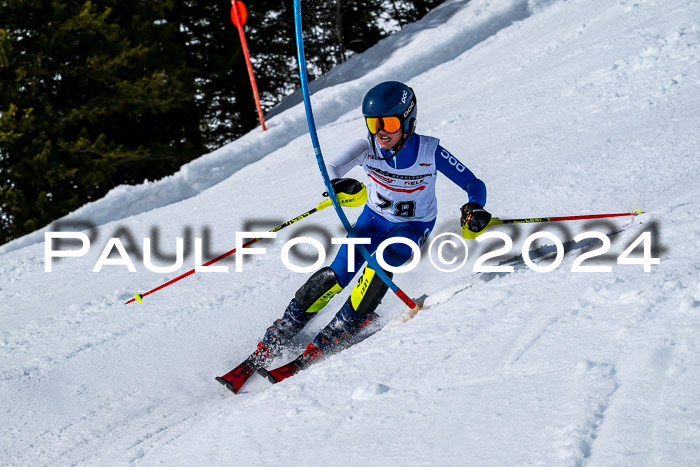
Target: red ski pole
[357, 199]
[466, 233]
[139, 297]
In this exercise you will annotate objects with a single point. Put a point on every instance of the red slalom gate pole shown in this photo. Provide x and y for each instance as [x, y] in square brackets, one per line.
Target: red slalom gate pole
[238, 17]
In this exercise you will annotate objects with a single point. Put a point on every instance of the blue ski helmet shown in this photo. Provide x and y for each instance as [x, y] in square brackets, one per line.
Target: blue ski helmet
[389, 99]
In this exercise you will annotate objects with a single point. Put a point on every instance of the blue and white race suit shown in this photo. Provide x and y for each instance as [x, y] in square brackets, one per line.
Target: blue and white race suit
[401, 198]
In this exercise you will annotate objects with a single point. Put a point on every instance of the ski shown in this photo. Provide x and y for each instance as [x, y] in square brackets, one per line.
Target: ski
[303, 361]
[236, 378]
[281, 373]
[312, 354]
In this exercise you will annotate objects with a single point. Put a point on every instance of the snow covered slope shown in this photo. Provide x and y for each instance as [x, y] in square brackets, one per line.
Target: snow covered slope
[561, 107]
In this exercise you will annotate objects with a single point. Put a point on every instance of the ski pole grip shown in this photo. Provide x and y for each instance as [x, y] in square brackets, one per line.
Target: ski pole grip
[471, 235]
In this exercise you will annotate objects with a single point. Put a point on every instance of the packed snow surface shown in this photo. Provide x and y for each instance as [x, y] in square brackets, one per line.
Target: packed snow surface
[562, 108]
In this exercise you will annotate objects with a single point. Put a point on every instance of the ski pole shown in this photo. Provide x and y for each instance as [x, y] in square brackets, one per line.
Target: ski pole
[466, 233]
[347, 200]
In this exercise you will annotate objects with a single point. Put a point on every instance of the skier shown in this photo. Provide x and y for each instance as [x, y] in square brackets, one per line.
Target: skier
[401, 167]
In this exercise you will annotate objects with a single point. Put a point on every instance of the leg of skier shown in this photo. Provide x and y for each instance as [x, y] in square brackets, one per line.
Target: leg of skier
[308, 300]
[311, 297]
[359, 309]
[314, 295]
[354, 315]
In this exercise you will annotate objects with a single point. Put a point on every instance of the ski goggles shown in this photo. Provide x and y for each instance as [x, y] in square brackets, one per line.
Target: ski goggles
[388, 124]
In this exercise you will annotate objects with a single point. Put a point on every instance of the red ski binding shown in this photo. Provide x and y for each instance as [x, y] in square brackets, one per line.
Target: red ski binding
[311, 354]
[278, 374]
[236, 378]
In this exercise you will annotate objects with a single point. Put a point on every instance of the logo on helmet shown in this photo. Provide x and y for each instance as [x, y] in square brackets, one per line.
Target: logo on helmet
[409, 109]
[405, 95]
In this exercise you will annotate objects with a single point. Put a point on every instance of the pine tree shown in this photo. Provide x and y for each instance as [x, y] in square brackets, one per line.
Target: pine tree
[97, 94]
[91, 97]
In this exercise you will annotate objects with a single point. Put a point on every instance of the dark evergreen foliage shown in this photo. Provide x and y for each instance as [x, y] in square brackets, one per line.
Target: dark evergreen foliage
[94, 94]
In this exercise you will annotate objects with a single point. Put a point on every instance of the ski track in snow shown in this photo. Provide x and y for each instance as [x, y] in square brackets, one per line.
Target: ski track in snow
[562, 107]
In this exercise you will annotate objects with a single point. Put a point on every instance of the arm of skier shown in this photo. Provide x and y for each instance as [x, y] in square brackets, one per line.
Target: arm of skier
[351, 156]
[473, 212]
[341, 164]
[460, 175]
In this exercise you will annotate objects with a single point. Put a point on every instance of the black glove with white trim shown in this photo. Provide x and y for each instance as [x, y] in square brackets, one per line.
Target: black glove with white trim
[475, 216]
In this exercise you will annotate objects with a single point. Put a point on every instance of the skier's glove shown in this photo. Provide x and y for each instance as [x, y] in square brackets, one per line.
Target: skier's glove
[476, 217]
[348, 186]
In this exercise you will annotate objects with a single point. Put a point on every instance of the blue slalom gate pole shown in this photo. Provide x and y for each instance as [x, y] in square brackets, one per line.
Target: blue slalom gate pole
[322, 166]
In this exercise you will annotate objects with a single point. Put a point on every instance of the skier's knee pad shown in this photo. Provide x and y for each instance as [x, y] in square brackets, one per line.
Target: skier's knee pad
[318, 290]
[368, 292]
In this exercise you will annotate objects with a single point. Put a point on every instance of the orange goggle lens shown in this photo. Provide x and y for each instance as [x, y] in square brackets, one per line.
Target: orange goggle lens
[389, 124]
